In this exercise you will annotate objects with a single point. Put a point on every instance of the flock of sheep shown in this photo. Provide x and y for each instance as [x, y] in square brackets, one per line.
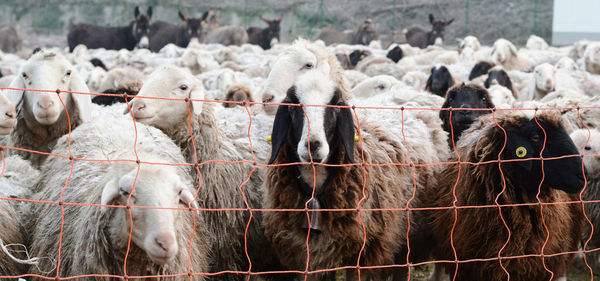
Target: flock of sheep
[212, 161]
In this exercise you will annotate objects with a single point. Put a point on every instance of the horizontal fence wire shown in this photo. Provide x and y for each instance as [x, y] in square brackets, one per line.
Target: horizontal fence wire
[306, 272]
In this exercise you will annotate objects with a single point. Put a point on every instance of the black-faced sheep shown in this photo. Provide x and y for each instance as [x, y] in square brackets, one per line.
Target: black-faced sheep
[439, 81]
[42, 118]
[336, 238]
[395, 53]
[96, 238]
[497, 76]
[480, 233]
[222, 183]
[418, 37]
[456, 121]
[113, 38]
[480, 68]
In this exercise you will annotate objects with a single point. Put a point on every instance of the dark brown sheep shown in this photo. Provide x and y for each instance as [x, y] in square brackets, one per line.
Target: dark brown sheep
[480, 233]
[238, 93]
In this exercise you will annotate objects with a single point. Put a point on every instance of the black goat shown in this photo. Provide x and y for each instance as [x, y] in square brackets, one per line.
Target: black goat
[418, 37]
[264, 36]
[112, 38]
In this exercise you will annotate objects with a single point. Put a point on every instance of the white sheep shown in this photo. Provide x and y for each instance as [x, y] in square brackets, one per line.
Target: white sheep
[591, 58]
[536, 43]
[505, 53]
[42, 117]
[373, 86]
[222, 183]
[501, 96]
[542, 83]
[98, 236]
[469, 42]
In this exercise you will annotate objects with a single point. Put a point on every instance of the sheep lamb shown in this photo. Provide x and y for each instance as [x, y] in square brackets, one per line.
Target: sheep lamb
[96, 238]
[480, 233]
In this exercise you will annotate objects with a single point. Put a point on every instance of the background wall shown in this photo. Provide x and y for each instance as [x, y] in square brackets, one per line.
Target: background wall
[486, 19]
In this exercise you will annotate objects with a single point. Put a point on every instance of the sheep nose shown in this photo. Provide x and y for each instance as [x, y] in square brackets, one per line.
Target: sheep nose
[165, 242]
[139, 106]
[268, 98]
[314, 146]
[11, 113]
[45, 103]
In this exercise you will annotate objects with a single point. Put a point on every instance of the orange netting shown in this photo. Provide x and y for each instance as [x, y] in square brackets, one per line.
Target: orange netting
[306, 210]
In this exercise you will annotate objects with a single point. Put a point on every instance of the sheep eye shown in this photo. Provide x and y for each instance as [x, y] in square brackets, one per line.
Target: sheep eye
[381, 87]
[587, 147]
[183, 87]
[68, 72]
[308, 65]
[535, 138]
[24, 75]
[123, 192]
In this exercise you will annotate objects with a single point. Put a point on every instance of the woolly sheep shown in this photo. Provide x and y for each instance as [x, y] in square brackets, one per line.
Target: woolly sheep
[501, 96]
[299, 57]
[469, 42]
[591, 58]
[543, 82]
[479, 233]
[337, 239]
[11, 236]
[42, 118]
[98, 236]
[536, 43]
[222, 183]
[505, 53]
[119, 81]
[373, 86]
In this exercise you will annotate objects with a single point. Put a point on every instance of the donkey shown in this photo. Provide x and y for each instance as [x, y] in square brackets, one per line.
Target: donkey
[163, 33]
[363, 36]
[264, 36]
[113, 38]
[418, 37]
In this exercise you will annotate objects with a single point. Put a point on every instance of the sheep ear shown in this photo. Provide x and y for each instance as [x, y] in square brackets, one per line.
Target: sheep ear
[345, 128]
[431, 19]
[182, 17]
[15, 96]
[197, 94]
[513, 50]
[136, 12]
[281, 125]
[428, 84]
[110, 194]
[187, 197]
[83, 102]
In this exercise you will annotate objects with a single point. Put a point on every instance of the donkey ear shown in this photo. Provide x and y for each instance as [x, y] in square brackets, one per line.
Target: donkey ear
[281, 126]
[149, 12]
[136, 12]
[204, 16]
[345, 128]
[181, 16]
[448, 22]
[265, 20]
[431, 19]
[280, 18]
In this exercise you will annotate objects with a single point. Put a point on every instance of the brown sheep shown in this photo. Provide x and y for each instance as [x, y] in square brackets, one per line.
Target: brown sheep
[336, 238]
[480, 233]
[238, 93]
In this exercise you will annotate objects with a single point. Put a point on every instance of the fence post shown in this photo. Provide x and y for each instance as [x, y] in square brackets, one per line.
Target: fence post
[467, 18]
[48, 19]
[114, 9]
[245, 17]
[535, 13]
[321, 11]
[394, 18]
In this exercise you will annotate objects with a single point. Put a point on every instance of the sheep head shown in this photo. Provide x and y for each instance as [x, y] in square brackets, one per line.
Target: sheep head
[167, 82]
[544, 77]
[49, 71]
[312, 132]
[588, 142]
[8, 115]
[503, 51]
[439, 81]
[152, 230]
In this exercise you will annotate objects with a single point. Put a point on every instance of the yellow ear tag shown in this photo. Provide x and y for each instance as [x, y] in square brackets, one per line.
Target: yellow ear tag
[521, 152]
[269, 138]
[355, 137]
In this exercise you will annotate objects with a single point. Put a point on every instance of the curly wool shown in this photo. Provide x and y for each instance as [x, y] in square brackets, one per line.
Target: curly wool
[480, 232]
[12, 233]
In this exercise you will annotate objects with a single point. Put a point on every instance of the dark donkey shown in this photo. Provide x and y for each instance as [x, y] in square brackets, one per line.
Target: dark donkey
[418, 37]
[163, 33]
[264, 36]
[113, 38]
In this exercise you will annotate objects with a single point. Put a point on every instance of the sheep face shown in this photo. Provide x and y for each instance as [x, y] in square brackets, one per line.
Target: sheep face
[153, 229]
[588, 142]
[464, 96]
[238, 94]
[49, 71]
[288, 66]
[498, 77]
[395, 54]
[544, 77]
[470, 42]
[315, 126]
[8, 115]
[480, 68]
[172, 83]
[566, 64]
[526, 139]
[439, 80]
[503, 51]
